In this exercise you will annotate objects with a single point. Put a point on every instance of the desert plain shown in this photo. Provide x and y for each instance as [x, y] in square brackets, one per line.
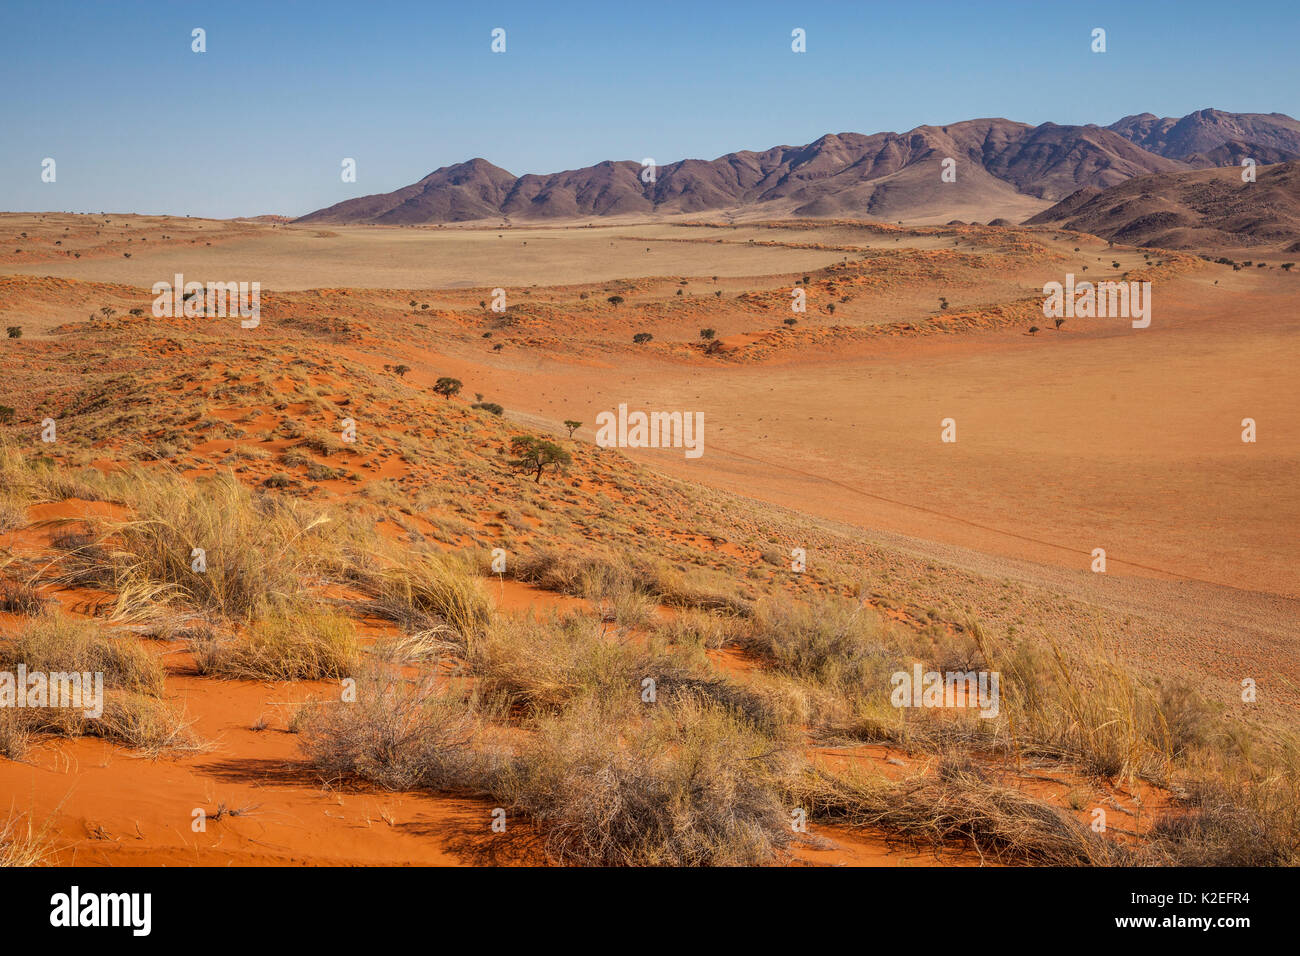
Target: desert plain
[823, 433]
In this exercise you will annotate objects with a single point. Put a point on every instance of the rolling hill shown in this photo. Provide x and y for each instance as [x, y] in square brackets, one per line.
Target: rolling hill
[1196, 209]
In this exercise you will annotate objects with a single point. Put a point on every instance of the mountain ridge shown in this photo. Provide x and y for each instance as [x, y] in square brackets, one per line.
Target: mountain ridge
[1000, 165]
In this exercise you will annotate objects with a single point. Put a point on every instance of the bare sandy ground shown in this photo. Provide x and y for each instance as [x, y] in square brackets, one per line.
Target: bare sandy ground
[287, 257]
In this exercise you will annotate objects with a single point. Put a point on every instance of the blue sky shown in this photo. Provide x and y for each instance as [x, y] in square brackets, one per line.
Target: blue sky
[260, 122]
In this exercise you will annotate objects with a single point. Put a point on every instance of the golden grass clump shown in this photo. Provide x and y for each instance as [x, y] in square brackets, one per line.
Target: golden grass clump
[1086, 707]
[302, 643]
[134, 712]
[420, 589]
[544, 664]
[22, 844]
[258, 550]
[27, 482]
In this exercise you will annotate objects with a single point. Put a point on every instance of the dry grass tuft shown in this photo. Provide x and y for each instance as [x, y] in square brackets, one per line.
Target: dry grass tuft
[258, 550]
[307, 643]
[956, 804]
[133, 710]
[606, 577]
[22, 844]
[426, 588]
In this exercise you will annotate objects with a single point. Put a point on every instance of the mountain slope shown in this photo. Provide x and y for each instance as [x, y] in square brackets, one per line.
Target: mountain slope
[1198, 209]
[1213, 138]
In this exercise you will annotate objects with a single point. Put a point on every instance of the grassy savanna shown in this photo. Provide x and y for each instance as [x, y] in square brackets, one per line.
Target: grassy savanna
[618, 731]
[285, 600]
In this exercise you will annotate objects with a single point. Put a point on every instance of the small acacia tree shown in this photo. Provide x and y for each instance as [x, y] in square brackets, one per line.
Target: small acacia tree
[401, 370]
[707, 334]
[447, 386]
[535, 454]
[641, 338]
[615, 300]
[15, 331]
[572, 426]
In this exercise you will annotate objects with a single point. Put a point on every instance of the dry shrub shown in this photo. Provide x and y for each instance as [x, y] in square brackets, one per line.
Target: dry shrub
[399, 734]
[1226, 824]
[681, 785]
[830, 641]
[16, 734]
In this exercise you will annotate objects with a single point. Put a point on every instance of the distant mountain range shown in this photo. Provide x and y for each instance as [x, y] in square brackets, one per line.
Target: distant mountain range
[1003, 169]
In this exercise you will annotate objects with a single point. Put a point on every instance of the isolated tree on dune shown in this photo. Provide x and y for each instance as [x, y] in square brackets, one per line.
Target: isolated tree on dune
[615, 300]
[401, 370]
[641, 338]
[535, 454]
[447, 386]
[706, 334]
[15, 331]
[572, 426]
